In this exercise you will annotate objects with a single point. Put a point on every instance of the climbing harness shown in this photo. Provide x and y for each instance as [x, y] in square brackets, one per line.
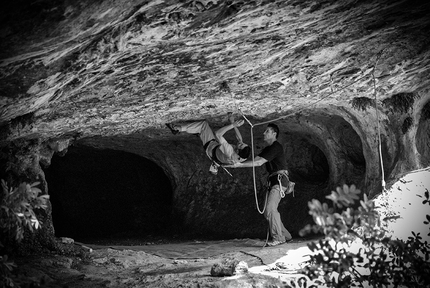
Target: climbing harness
[282, 173]
[215, 162]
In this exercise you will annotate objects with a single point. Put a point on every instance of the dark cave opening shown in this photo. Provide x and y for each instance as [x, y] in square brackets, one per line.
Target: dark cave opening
[309, 169]
[323, 152]
[108, 194]
[422, 137]
[306, 162]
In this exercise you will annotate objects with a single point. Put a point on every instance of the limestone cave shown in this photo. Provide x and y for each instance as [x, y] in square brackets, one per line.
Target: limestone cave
[86, 88]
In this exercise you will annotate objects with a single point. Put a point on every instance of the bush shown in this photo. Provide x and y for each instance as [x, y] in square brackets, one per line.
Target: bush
[17, 213]
[356, 252]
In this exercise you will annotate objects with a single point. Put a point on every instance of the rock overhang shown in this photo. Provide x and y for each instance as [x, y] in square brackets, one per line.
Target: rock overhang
[129, 71]
[331, 72]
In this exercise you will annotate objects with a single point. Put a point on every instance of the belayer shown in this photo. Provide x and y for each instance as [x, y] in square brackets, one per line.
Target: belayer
[273, 156]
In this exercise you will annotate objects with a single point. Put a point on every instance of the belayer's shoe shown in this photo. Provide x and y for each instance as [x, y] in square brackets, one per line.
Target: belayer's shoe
[172, 128]
[275, 243]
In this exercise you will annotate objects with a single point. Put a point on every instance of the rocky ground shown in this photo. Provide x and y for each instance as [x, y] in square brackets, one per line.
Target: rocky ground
[107, 267]
[152, 264]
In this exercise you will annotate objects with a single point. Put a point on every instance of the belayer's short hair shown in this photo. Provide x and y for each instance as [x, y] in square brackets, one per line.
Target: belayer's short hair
[244, 153]
[275, 128]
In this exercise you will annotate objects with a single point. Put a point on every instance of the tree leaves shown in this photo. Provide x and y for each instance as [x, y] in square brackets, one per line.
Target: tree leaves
[380, 262]
[344, 197]
[17, 213]
[18, 208]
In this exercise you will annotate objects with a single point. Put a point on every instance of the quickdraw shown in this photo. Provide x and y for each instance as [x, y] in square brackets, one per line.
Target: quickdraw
[287, 190]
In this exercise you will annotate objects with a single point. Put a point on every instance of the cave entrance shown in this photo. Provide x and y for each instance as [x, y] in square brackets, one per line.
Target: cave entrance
[309, 169]
[306, 162]
[108, 194]
[422, 137]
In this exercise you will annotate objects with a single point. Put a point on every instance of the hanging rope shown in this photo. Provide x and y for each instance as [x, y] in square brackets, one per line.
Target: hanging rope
[253, 167]
[225, 86]
[377, 121]
[253, 177]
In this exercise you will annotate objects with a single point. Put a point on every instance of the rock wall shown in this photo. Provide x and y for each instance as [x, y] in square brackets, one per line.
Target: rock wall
[346, 81]
[326, 147]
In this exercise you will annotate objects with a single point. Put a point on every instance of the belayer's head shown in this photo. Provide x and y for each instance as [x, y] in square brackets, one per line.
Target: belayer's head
[271, 133]
[274, 128]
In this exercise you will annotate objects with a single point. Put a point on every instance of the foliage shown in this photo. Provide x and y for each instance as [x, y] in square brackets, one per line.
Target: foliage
[17, 213]
[21, 162]
[356, 251]
[362, 103]
[17, 208]
[400, 102]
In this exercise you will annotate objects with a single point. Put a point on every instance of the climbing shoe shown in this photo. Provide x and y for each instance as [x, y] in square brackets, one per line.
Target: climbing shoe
[213, 169]
[172, 128]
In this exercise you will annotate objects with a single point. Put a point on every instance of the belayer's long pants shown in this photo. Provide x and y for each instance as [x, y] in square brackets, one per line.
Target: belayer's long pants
[276, 227]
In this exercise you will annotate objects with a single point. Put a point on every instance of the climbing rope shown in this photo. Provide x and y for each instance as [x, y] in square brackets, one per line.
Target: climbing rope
[377, 121]
[253, 167]
[306, 107]
[277, 119]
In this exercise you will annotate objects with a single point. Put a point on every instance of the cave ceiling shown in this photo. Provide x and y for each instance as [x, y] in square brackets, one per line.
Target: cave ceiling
[104, 68]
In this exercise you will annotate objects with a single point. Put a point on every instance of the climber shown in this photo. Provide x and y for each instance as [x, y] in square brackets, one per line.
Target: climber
[278, 182]
[216, 146]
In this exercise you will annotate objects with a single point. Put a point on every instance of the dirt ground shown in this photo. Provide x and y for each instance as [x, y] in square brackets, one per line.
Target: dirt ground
[185, 264]
[189, 263]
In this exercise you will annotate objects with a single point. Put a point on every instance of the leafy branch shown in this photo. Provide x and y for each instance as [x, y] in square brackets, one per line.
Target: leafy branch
[356, 251]
[17, 213]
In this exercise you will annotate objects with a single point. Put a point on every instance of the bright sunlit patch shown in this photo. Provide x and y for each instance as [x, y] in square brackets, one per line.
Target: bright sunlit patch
[401, 207]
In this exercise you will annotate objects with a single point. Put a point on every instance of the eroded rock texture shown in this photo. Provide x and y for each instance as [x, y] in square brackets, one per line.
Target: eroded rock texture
[346, 81]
